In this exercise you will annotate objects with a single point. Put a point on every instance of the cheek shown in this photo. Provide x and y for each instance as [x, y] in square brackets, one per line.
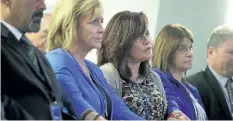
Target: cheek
[135, 53]
[90, 35]
[229, 61]
[221, 58]
[179, 60]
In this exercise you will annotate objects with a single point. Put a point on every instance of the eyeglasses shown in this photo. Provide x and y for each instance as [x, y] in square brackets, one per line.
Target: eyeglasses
[184, 49]
[144, 37]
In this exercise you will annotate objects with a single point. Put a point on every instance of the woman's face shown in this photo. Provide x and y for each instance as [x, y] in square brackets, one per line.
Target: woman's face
[183, 56]
[141, 49]
[90, 30]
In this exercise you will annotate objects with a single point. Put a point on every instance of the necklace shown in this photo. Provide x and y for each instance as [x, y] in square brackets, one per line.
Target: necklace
[86, 70]
[138, 80]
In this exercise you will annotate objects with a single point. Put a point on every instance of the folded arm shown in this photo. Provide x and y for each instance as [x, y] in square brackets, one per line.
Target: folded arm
[73, 97]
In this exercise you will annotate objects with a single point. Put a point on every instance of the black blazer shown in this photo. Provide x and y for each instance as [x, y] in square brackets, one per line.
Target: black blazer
[212, 96]
[26, 92]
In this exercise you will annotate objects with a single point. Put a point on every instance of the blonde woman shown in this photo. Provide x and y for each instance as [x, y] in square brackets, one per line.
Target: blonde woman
[76, 29]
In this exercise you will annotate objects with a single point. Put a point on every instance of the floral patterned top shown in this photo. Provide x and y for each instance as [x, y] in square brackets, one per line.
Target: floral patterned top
[144, 99]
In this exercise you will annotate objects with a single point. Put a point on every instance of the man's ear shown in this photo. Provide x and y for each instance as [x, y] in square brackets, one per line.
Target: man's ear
[210, 51]
[6, 2]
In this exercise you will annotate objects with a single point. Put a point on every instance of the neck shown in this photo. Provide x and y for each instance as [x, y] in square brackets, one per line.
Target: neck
[134, 67]
[79, 54]
[177, 74]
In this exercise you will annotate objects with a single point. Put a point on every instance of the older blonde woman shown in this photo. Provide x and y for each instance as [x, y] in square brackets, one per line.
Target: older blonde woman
[76, 29]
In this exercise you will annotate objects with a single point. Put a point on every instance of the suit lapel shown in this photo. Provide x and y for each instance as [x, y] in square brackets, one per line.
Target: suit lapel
[213, 82]
[14, 43]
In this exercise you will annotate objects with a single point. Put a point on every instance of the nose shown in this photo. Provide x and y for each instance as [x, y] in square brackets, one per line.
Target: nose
[147, 40]
[101, 29]
[189, 53]
[41, 5]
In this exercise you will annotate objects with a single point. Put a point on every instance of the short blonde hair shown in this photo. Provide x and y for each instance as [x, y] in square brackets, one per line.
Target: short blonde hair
[63, 28]
[167, 43]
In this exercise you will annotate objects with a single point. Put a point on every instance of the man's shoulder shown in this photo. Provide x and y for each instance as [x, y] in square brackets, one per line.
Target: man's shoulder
[197, 79]
[196, 75]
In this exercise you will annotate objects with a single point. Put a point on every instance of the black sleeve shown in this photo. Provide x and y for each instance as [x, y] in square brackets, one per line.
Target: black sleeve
[10, 110]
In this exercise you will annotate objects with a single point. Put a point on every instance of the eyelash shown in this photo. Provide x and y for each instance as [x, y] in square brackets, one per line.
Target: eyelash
[94, 21]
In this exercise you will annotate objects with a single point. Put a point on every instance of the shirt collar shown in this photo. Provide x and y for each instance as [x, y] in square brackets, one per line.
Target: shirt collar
[221, 79]
[14, 30]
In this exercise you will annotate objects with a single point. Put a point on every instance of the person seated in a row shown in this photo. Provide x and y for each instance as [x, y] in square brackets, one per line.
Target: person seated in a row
[124, 59]
[86, 93]
[74, 31]
[171, 59]
[215, 81]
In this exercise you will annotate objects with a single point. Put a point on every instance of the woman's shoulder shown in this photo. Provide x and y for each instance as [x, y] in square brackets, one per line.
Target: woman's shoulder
[93, 67]
[108, 68]
[190, 86]
[91, 64]
[154, 74]
[158, 72]
[56, 52]
[58, 57]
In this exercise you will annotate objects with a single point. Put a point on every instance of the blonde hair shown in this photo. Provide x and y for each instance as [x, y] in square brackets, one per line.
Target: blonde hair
[63, 28]
[166, 44]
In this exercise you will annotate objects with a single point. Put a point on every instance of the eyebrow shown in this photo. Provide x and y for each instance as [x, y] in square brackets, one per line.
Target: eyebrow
[46, 31]
[185, 45]
[97, 18]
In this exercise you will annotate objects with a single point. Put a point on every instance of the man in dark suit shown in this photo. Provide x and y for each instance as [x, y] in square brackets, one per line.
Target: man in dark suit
[29, 89]
[215, 83]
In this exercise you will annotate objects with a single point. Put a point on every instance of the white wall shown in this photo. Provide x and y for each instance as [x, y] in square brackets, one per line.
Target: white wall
[50, 4]
[229, 13]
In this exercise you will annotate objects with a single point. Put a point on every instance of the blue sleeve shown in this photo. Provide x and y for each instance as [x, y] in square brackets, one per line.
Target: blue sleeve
[72, 93]
[170, 94]
[120, 109]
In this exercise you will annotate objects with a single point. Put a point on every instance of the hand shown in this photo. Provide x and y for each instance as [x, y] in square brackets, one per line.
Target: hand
[177, 115]
[94, 116]
[101, 118]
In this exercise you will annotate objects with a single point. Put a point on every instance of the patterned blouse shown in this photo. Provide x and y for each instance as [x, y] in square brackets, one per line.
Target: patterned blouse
[144, 99]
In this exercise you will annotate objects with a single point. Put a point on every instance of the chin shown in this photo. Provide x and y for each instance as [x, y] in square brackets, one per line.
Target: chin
[97, 47]
[148, 56]
[187, 67]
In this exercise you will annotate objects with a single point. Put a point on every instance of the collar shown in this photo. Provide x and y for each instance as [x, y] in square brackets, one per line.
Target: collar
[221, 79]
[14, 30]
[171, 78]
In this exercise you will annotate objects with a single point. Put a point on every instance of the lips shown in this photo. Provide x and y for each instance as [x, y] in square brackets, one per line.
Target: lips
[188, 61]
[148, 48]
[38, 14]
[37, 20]
[99, 39]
